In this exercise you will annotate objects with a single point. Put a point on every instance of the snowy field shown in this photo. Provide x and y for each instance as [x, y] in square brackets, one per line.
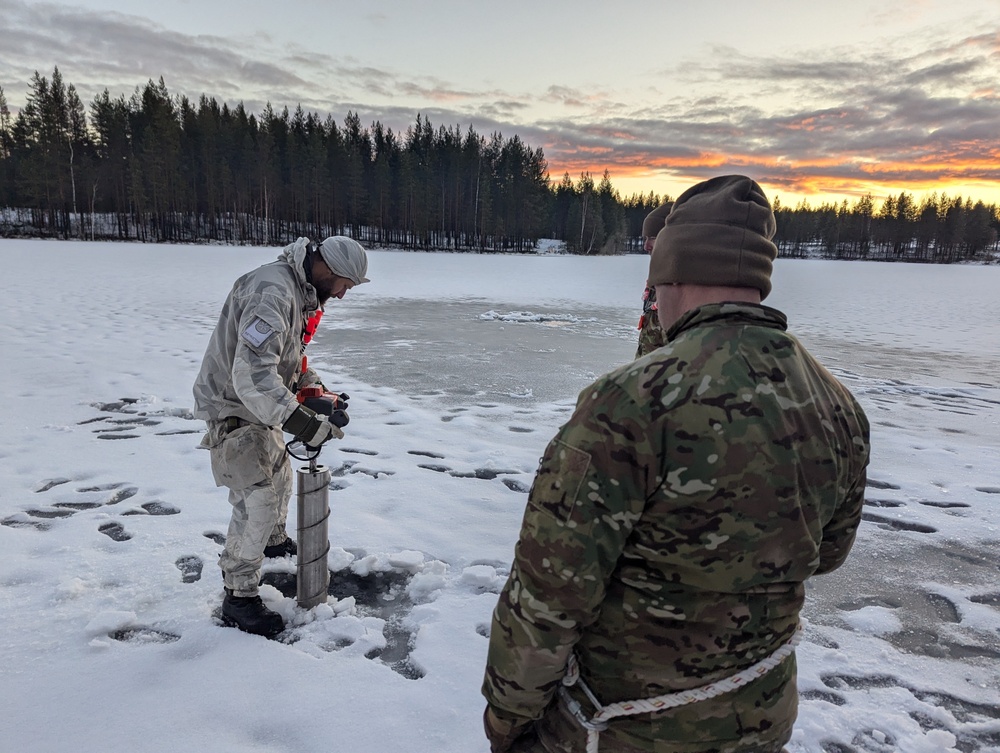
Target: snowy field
[460, 369]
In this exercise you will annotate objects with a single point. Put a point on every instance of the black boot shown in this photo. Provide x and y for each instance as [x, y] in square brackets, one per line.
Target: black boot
[286, 548]
[249, 614]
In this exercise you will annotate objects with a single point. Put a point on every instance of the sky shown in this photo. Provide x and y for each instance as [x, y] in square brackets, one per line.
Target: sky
[110, 521]
[817, 101]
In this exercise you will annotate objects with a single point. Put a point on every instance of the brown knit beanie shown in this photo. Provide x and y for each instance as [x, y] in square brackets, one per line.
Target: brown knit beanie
[718, 233]
[655, 220]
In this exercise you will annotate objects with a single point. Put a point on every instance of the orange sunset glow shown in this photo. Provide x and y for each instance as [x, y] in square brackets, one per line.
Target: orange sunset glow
[810, 183]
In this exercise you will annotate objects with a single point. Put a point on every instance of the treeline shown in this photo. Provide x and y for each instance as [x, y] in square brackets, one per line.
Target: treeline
[158, 167]
[938, 229]
[154, 167]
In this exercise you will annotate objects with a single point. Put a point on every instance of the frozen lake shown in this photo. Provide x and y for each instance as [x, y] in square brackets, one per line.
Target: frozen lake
[920, 344]
[541, 334]
[460, 369]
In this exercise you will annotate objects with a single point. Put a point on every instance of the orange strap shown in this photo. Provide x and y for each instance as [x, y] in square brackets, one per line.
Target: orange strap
[312, 323]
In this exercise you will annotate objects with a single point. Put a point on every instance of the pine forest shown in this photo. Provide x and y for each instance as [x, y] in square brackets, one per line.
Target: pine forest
[156, 167]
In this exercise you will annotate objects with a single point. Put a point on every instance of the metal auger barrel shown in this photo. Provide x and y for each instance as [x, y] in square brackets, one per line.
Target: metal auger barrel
[313, 572]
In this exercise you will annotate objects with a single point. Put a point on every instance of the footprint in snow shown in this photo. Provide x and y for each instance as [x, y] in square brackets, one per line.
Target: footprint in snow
[876, 484]
[897, 525]
[53, 513]
[51, 483]
[78, 505]
[823, 695]
[944, 607]
[121, 495]
[869, 601]
[426, 454]
[190, 567]
[21, 520]
[487, 474]
[883, 503]
[516, 486]
[156, 507]
[119, 492]
[115, 531]
[143, 635]
[352, 467]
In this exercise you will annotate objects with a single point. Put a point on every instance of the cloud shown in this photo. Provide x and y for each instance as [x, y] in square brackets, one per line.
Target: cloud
[811, 122]
[909, 113]
[118, 52]
[950, 72]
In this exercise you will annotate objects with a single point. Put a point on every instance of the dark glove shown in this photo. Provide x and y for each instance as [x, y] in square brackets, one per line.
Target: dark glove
[311, 429]
[503, 731]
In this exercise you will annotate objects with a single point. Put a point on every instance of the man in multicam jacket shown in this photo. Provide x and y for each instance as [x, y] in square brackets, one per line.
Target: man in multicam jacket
[651, 335]
[246, 392]
[676, 515]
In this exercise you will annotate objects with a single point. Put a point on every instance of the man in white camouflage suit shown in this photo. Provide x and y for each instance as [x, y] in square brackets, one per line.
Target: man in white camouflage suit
[246, 392]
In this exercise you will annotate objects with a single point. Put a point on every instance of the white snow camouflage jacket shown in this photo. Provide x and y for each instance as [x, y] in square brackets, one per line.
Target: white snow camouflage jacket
[253, 363]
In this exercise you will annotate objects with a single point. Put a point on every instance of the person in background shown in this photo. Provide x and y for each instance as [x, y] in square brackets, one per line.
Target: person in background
[676, 516]
[246, 392]
[650, 331]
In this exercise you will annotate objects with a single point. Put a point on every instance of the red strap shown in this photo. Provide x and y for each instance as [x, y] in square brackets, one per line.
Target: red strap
[311, 324]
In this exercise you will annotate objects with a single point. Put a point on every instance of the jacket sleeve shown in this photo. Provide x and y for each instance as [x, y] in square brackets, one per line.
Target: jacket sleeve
[263, 329]
[840, 531]
[589, 491]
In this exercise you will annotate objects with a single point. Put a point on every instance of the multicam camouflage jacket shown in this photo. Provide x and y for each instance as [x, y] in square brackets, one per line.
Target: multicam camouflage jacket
[670, 527]
[651, 334]
[254, 358]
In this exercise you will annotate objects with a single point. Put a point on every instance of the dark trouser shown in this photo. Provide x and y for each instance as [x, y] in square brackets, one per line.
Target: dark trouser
[559, 732]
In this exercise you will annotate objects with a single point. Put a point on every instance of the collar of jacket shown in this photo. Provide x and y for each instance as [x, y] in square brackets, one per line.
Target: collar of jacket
[753, 314]
[294, 255]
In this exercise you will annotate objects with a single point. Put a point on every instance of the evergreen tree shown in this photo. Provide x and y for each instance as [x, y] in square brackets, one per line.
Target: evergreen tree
[161, 168]
[7, 167]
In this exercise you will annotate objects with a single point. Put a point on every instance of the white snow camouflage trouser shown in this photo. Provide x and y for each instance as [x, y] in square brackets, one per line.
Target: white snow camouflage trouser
[251, 462]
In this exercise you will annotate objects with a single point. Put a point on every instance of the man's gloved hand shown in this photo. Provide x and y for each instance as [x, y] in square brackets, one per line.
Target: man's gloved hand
[324, 433]
[503, 731]
[327, 403]
[309, 428]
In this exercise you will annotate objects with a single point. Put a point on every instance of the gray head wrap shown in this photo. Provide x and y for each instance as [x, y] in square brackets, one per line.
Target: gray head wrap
[345, 257]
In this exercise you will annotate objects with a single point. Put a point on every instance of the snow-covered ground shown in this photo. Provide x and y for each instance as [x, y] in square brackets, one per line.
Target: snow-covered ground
[460, 369]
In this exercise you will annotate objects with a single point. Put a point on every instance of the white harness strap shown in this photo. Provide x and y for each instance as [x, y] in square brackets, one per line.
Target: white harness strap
[599, 721]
